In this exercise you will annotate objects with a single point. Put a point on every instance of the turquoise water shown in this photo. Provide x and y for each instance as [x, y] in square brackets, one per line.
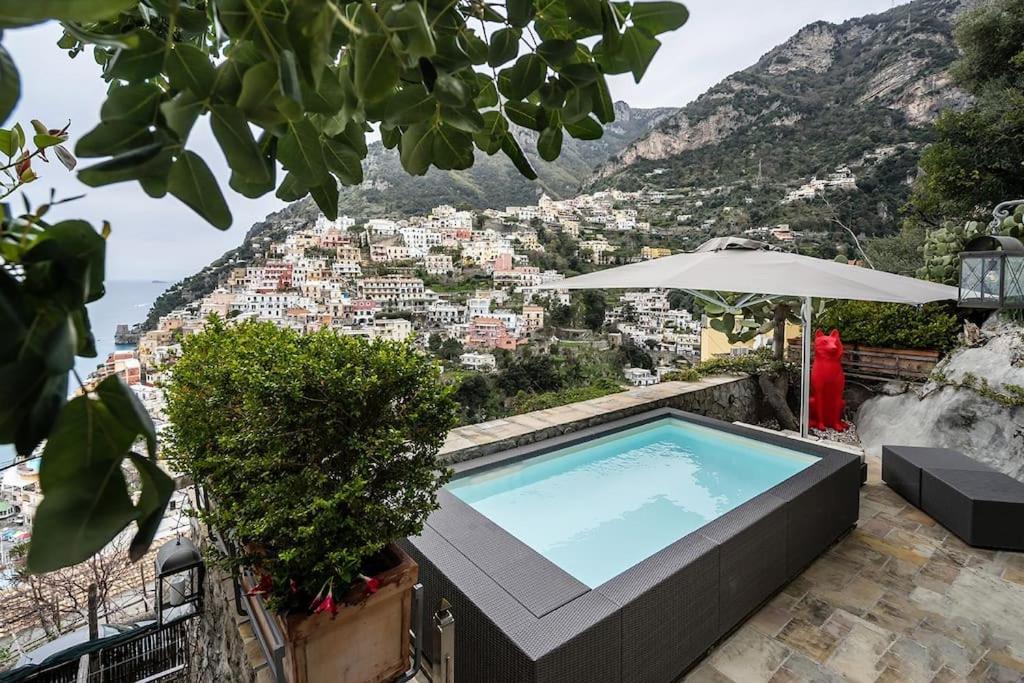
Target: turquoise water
[598, 508]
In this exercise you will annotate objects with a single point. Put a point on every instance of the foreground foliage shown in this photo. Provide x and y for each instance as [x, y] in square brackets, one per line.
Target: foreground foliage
[296, 84]
[932, 326]
[976, 161]
[316, 450]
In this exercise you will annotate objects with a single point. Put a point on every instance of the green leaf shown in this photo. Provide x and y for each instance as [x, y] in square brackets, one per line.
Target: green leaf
[144, 61]
[376, 67]
[20, 12]
[192, 182]
[127, 409]
[514, 152]
[504, 46]
[85, 496]
[580, 75]
[519, 12]
[326, 197]
[453, 148]
[603, 107]
[259, 93]
[288, 76]
[488, 95]
[638, 50]
[549, 143]
[585, 13]
[244, 157]
[137, 103]
[585, 129]
[301, 152]
[451, 91]
[46, 140]
[181, 113]
[524, 114]
[492, 135]
[152, 160]
[410, 23]
[343, 160]
[113, 137]
[189, 68]
[291, 189]
[417, 148]
[578, 105]
[525, 76]
[157, 489]
[658, 17]
[557, 51]
[10, 84]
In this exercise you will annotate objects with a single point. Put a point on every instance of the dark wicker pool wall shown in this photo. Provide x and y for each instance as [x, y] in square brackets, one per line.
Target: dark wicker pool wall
[521, 619]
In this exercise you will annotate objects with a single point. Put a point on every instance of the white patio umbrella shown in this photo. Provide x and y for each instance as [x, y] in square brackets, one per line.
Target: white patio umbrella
[750, 268]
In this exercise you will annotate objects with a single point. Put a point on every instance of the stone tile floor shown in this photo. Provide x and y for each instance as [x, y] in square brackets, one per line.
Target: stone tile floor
[897, 599]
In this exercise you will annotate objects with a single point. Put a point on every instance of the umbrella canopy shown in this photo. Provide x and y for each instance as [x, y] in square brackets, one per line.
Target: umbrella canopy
[744, 266]
[741, 266]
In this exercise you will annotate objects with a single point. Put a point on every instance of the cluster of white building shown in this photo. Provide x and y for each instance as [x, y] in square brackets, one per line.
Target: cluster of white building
[647, 319]
[841, 180]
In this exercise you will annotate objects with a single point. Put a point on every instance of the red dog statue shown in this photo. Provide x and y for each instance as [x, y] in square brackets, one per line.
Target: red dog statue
[827, 383]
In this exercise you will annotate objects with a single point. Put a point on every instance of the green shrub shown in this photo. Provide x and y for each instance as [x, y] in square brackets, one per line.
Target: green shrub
[933, 326]
[525, 402]
[749, 364]
[317, 450]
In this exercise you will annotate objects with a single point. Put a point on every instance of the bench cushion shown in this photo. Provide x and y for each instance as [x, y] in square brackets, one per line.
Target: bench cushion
[984, 508]
[902, 465]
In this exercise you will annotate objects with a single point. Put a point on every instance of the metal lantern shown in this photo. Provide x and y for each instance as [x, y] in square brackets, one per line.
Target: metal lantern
[180, 572]
[992, 273]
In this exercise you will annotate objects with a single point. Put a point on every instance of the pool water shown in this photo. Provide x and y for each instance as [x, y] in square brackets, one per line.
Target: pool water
[600, 507]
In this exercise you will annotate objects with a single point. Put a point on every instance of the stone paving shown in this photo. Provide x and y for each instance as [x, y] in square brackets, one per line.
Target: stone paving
[897, 599]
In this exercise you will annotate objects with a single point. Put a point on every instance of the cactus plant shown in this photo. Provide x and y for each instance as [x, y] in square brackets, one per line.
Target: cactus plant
[943, 246]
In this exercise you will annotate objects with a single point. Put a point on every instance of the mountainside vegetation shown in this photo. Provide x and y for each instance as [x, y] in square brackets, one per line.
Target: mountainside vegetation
[863, 94]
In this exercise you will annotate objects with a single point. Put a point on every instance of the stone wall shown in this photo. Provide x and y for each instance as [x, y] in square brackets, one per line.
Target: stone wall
[226, 649]
[731, 398]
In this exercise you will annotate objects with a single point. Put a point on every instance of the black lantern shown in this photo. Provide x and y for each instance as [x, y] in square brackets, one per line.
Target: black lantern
[180, 572]
[992, 273]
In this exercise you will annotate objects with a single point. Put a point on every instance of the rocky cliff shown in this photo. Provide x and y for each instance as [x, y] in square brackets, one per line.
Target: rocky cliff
[974, 404]
[492, 182]
[862, 94]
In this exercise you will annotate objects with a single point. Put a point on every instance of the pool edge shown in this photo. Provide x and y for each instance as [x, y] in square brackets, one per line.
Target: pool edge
[657, 619]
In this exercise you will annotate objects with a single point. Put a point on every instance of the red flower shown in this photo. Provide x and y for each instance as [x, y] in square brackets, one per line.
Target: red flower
[24, 164]
[265, 585]
[327, 605]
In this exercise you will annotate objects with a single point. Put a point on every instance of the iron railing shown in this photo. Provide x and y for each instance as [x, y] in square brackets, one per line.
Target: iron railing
[150, 653]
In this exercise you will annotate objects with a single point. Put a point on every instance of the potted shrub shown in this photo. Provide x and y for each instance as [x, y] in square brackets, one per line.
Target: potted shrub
[317, 452]
[890, 340]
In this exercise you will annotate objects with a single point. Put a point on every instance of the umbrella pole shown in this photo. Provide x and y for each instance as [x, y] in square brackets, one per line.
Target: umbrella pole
[805, 367]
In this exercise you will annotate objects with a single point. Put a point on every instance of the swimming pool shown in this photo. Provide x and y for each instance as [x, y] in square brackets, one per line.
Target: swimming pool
[624, 551]
[636, 491]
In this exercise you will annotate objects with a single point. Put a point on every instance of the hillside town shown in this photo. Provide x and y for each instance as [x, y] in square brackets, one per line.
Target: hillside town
[467, 276]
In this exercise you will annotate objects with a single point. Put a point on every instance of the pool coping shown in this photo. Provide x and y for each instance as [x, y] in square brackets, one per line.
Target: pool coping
[653, 621]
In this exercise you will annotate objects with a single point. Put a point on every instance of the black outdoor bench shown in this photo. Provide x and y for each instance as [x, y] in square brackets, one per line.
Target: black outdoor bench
[985, 508]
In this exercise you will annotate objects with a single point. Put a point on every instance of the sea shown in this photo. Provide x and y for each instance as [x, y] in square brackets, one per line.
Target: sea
[125, 301]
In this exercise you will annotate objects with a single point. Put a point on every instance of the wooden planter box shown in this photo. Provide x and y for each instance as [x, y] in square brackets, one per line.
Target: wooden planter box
[878, 362]
[366, 642]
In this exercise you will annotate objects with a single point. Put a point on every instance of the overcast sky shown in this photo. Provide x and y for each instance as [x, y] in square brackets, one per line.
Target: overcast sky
[163, 240]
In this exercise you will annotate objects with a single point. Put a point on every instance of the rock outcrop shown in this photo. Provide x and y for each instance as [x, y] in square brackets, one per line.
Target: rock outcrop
[896, 61]
[974, 404]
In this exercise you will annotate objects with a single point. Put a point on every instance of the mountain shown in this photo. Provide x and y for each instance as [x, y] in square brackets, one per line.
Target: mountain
[388, 190]
[492, 182]
[862, 94]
